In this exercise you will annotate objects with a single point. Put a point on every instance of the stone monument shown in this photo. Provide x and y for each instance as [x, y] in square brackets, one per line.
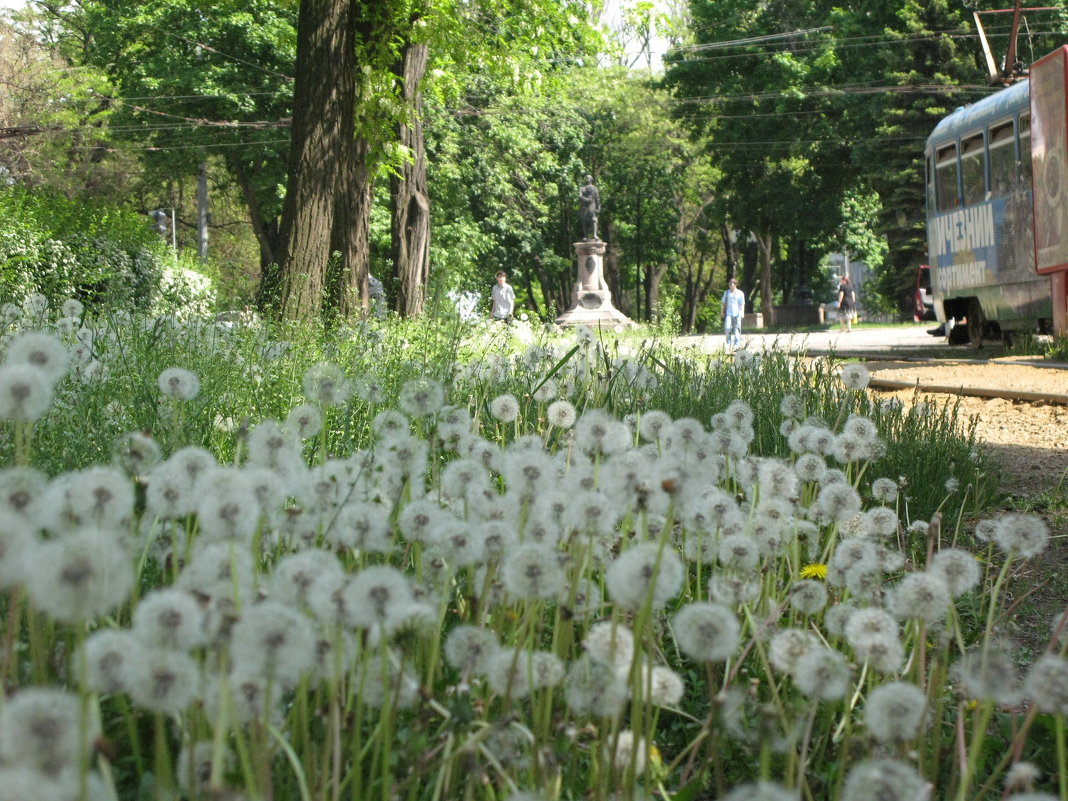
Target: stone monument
[591, 299]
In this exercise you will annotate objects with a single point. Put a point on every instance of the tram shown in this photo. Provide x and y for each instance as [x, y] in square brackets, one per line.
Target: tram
[997, 210]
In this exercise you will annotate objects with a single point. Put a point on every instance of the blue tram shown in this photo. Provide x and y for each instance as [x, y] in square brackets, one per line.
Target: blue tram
[984, 201]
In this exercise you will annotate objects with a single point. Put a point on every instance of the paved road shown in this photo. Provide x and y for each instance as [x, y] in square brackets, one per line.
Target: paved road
[911, 340]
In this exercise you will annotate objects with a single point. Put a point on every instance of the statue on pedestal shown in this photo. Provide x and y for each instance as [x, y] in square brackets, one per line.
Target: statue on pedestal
[589, 208]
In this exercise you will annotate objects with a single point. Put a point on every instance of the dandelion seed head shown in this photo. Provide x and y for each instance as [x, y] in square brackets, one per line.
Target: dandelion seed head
[810, 467]
[792, 406]
[469, 649]
[25, 393]
[895, 712]
[808, 597]
[708, 632]
[1047, 684]
[1021, 535]
[325, 384]
[595, 688]
[788, 646]
[161, 680]
[79, 576]
[421, 397]
[988, 672]
[663, 685]
[884, 780]
[921, 596]
[881, 521]
[855, 376]
[839, 501]
[273, 640]
[169, 618]
[733, 590]
[42, 351]
[178, 383]
[304, 421]
[611, 643]
[561, 414]
[959, 568]
[40, 728]
[645, 573]
[375, 596]
[504, 408]
[654, 425]
[739, 552]
[533, 571]
[1022, 776]
[822, 673]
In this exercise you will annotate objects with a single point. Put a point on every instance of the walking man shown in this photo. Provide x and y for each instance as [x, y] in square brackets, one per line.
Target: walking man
[503, 298]
[733, 307]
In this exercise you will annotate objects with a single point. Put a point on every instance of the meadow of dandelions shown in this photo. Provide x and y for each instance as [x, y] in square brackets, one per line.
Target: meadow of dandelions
[496, 568]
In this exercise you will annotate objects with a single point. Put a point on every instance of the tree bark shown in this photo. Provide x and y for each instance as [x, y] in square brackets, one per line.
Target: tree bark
[352, 233]
[324, 97]
[267, 235]
[410, 203]
[766, 243]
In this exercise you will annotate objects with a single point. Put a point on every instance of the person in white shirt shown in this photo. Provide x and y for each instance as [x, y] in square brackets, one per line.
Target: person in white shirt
[503, 298]
[733, 307]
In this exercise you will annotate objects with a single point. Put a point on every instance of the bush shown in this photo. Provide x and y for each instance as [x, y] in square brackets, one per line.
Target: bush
[63, 248]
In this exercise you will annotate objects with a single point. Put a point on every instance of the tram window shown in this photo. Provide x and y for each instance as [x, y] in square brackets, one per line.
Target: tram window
[946, 178]
[931, 204]
[1025, 149]
[1002, 159]
[973, 169]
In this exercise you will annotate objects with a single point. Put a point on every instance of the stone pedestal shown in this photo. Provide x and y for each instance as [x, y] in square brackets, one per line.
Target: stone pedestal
[591, 299]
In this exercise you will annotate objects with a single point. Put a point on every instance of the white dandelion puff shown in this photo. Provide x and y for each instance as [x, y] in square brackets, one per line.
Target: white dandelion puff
[274, 640]
[304, 421]
[855, 376]
[41, 728]
[885, 780]
[160, 680]
[822, 673]
[42, 351]
[708, 632]
[325, 384]
[1021, 535]
[645, 573]
[895, 712]
[79, 576]
[25, 393]
[421, 397]
[178, 383]
[169, 618]
[533, 571]
[504, 408]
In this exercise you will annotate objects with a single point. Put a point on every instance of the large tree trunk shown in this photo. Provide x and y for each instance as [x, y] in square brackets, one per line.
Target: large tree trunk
[324, 96]
[408, 191]
[352, 233]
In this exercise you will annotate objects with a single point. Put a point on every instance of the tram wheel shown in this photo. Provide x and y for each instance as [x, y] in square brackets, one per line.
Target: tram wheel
[956, 334]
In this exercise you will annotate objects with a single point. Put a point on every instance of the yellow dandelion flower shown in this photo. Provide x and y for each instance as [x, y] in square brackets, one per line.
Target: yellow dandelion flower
[817, 570]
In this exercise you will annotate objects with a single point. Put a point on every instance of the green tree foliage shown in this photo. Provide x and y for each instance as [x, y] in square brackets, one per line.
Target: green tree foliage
[190, 84]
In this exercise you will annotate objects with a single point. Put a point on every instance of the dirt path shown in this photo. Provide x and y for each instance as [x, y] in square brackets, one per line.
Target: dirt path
[1029, 440]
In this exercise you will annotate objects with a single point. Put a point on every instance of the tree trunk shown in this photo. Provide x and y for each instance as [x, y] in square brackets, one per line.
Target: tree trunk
[267, 236]
[408, 190]
[765, 243]
[352, 233]
[324, 97]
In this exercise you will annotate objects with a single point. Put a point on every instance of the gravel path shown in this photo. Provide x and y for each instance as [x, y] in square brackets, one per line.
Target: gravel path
[1028, 439]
